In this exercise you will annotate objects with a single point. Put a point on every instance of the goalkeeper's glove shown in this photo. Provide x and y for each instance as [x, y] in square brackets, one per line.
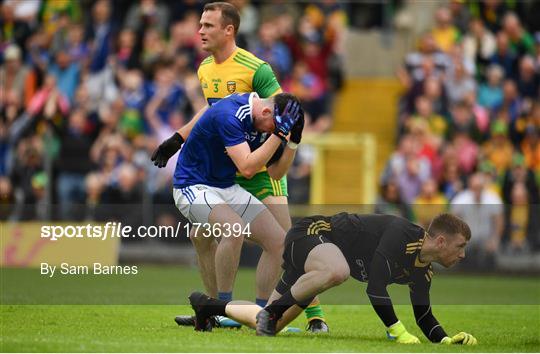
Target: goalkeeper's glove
[460, 338]
[167, 149]
[398, 333]
[285, 121]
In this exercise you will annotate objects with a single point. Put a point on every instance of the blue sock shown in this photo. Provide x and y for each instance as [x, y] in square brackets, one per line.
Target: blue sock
[226, 296]
[261, 302]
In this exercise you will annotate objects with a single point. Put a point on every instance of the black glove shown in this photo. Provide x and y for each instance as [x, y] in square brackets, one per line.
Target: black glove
[167, 149]
[298, 127]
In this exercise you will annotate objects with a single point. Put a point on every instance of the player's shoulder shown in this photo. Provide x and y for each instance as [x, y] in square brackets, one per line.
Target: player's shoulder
[208, 60]
[248, 59]
[206, 65]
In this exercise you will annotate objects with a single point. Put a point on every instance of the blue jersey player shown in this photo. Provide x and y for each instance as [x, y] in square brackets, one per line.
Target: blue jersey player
[226, 140]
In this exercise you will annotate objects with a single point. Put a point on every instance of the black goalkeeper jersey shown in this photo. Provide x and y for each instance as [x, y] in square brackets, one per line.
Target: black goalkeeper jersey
[380, 250]
[399, 241]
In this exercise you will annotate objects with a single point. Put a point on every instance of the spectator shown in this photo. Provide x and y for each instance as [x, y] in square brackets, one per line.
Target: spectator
[518, 221]
[76, 47]
[461, 16]
[479, 45]
[410, 181]
[13, 74]
[94, 189]
[408, 147]
[480, 114]
[126, 195]
[510, 108]
[147, 14]
[67, 74]
[452, 181]
[13, 31]
[531, 148]
[249, 18]
[53, 10]
[490, 94]
[482, 210]
[100, 34]
[429, 203]
[273, 51]
[7, 199]
[309, 88]
[491, 12]
[127, 53]
[134, 100]
[466, 151]
[504, 56]
[528, 80]
[499, 150]
[25, 10]
[521, 41]
[464, 121]
[424, 113]
[530, 121]
[390, 202]
[299, 174]
[73, 163]
[444, 33]
[520, 173]
[434, 91]
[460, 83]
[28, 163]
[425, 62]
[153, 50]
[165, 92]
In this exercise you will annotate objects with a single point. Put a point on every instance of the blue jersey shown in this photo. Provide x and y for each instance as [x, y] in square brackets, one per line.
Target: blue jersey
[203, 158]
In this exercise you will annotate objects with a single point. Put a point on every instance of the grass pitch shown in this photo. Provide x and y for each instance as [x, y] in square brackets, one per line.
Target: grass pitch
[67, 315]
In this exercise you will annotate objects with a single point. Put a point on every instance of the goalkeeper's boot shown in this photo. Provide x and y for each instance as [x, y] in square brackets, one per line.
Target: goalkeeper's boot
[185, 320]
[317, 325]
[266, 324]
[218, 321]
[203, 321]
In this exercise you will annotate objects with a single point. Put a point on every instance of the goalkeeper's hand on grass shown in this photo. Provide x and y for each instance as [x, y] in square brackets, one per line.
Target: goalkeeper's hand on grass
[398, 333]
[460, 338]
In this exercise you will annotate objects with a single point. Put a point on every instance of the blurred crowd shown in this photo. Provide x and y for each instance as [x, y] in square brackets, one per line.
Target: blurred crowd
[469, 128]
[91, 87]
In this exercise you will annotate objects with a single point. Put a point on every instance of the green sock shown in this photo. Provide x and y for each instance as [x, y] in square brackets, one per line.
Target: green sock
[314, 312]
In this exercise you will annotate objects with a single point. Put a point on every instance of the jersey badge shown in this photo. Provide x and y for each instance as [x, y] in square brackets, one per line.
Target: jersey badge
[231, 86]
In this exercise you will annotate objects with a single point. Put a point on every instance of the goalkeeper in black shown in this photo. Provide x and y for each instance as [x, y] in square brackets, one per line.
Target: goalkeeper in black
[322, 252]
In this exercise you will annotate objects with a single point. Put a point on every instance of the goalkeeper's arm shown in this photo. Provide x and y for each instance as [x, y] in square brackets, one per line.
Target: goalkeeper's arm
[427, 321]
[424, 317]
[379, 278]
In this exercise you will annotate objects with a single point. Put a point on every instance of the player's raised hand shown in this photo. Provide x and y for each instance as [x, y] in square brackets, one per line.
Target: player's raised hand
[287, 118]
[297, 128]
[460, 338]
[166, 150]
[398, 333]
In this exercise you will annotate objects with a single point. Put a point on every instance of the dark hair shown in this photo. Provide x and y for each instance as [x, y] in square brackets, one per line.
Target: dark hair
[281, 100]
[229, 14]
[449, 225]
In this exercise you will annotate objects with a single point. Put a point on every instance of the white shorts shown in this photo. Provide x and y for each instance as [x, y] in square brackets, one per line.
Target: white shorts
[197, 201]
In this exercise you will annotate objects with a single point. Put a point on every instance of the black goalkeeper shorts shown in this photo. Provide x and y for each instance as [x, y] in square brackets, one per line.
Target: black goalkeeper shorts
[304, 236]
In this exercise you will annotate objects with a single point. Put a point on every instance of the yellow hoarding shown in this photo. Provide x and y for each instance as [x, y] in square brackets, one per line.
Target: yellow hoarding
[28, 244]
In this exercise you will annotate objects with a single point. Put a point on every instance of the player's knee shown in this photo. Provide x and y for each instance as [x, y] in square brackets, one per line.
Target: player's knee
[233, 241]
[338, 275]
